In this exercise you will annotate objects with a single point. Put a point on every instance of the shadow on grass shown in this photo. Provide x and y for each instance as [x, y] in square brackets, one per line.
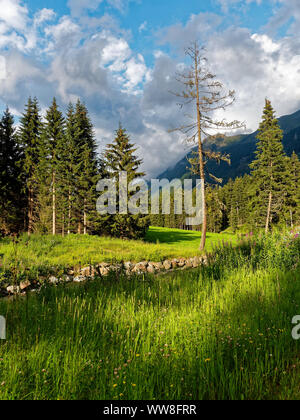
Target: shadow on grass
[221, 379]
[173, 236]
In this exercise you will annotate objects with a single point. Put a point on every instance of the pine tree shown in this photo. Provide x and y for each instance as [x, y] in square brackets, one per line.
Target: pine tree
[70, 167]
[30, 140]
[269, 168]
[54, 143]
[119, 157]
[292, 204]
[12, 197]
[87, 166]
[214, 210]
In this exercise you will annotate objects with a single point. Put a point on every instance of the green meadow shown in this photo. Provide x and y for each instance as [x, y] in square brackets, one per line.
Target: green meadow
[218, 332]
[47, 251]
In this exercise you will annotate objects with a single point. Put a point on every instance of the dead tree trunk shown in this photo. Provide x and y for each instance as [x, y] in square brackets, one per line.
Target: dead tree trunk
[201, 163]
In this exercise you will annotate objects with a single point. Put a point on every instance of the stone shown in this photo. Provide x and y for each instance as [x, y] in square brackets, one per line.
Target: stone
[174, 263]
[87, 271]
[115, 267]
[128, 266]
[136, 269]
[25, 284]
[158, 266]
[106, 265]
[142, 266]
[104, 271]
[204, 260]
[188, 263]
[167, 265]
[53, 280]
[67, 279]
[79, 279]
[13, 289]
[181, 262]
[151, 269]
[196, 262]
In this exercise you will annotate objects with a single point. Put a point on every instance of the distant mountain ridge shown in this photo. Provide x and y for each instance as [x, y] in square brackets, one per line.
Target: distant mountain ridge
[241, 149]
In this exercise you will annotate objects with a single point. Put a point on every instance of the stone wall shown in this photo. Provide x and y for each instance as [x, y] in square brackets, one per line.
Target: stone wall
[103, 269]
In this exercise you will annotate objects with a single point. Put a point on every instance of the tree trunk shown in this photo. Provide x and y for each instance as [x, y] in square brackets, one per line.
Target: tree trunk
[53, 205]
[201, 163]
[69, 213]
[30, 211]
[63, 226]
[84, 218]
[269, 212]
[292, 222]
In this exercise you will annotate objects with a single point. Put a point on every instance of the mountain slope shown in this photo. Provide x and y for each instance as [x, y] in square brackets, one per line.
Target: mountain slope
[241, 149]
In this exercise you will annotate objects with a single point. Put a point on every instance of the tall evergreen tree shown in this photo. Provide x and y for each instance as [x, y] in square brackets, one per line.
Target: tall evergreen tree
[87, 165]
[120, 156]
[269, 168]
[292, 205]
[54, 143]
[71, 167]
[30, 140]
[12, 197]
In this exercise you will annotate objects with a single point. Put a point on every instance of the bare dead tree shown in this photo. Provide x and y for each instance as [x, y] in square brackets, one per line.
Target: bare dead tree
[207, 94]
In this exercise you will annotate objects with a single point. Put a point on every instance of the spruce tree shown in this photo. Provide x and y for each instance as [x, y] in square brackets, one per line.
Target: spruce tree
[12, 197]
[292, 204]
[70, 167]
[87, 166]
[269, 169]
[54, 144]
[30, 140]
[119, 157]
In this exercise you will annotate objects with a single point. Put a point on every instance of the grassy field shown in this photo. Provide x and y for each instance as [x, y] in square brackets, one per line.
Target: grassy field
[218, 332]
[49, 251]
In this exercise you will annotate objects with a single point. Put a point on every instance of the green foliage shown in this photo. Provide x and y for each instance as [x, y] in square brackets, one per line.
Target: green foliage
[269, 169]
[261, 251]
[292, 202]
[51, 180]
[12, 196]
[119, 157]
[273, 189]
[86, 169]
[241, 149]
[29, 136]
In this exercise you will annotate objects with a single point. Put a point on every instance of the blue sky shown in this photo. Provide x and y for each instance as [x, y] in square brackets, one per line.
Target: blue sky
[145, 18]
[121, 56]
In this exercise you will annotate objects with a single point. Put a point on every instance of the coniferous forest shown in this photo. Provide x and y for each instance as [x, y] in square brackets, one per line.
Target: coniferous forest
[50, 168]
[49, 171]
[267, 198]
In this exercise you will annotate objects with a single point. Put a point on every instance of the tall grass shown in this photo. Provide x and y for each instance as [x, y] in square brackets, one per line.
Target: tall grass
[220, 332]
[39, 256]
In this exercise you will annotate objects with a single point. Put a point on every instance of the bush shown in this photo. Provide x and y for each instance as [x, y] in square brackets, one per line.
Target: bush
[261, 251]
